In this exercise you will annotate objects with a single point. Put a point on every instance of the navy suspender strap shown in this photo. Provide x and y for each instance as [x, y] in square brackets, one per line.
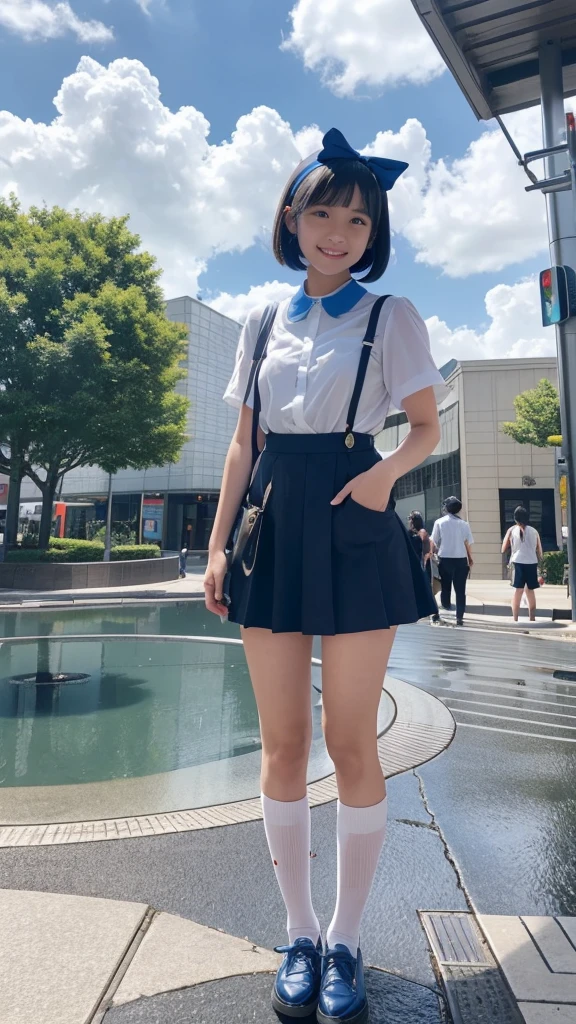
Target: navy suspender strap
[367, 344]
[266, 324]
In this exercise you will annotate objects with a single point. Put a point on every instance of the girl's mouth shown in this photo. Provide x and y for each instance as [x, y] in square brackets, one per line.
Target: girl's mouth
[332, 254]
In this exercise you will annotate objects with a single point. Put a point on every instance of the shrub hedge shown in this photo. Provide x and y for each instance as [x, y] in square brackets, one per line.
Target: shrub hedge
[64, 549]
[128, 552]
[552, 566]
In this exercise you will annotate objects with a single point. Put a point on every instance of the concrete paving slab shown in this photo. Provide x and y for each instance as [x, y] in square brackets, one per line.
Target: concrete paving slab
[177, 953]
[553, 943]
[569, 926]
[528, 974]
[548, 1013]
[58, 953]
[392, 1000]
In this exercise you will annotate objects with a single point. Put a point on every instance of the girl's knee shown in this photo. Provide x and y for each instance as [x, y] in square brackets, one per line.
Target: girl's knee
[286, 756]
[350, 759]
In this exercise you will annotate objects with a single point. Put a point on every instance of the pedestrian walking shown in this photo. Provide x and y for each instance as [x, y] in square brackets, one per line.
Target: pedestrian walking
[182, 561]
[525, 553]
[320, 549]
[420, 539]
[452, 539]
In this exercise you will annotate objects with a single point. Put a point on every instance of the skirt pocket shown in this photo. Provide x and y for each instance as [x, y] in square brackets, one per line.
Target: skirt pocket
[355, 525]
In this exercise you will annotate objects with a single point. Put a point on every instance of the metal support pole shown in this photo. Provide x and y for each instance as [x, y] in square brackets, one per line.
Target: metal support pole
[108, 534]
[562, 237]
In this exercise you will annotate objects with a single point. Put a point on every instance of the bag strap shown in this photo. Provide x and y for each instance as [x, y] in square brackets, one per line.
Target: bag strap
[262, 340]
[367, 344]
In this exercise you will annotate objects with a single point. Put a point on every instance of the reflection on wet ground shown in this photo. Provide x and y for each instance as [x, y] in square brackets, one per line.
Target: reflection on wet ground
[496, 682]
[503, 794]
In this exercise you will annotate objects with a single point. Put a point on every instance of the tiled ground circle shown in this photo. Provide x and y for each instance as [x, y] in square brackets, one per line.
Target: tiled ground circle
[421, 729]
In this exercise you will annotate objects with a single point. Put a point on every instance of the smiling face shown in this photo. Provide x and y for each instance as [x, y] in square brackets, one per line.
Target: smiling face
[332, 238]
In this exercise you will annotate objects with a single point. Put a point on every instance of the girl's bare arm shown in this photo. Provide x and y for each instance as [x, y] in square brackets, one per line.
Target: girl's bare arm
[235, 480]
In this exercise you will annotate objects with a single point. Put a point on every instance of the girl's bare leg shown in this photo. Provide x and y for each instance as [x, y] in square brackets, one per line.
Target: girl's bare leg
[353, 670]
[280, 670]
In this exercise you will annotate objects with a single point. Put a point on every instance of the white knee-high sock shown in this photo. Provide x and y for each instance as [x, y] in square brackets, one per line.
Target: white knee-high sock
[287, 825]
[360, 835]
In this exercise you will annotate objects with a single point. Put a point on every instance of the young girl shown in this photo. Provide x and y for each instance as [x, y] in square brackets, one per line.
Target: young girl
[526, 551]
[332, 558]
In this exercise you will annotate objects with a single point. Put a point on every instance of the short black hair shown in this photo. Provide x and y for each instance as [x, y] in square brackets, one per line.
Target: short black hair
[521, 515]
[453, 504]
[333, 184]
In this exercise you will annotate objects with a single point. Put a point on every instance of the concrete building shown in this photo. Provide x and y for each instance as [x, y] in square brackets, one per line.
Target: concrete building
[490, 472]
[176, 504]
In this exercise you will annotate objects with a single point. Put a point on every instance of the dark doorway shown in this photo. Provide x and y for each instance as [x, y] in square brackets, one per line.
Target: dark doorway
[540, 506]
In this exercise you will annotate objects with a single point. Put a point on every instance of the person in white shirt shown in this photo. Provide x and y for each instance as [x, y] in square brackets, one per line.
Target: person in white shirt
[322, 550]
[525, 553]
[452, 539]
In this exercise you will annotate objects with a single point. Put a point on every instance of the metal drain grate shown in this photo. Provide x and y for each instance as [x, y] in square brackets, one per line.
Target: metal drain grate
[476, 990]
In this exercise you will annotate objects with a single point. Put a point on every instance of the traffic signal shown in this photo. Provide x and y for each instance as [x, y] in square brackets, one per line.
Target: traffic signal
[557, 294]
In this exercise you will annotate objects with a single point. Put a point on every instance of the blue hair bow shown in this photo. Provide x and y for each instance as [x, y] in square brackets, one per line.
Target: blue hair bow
[335, 147]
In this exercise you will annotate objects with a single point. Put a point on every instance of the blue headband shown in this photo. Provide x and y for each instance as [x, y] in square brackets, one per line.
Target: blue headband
[335, 147]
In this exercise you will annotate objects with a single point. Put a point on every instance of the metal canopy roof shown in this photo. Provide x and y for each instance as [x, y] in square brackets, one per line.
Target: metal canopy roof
[491, 47]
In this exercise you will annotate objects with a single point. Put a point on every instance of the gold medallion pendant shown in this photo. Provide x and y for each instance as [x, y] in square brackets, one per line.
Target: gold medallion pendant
[349, 440]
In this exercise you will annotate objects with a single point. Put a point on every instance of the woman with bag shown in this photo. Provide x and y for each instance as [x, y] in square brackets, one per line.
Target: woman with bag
[320, 549]
[525, 553]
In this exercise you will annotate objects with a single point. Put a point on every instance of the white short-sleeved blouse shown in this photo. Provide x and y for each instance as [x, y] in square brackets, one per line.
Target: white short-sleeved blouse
[307, 378]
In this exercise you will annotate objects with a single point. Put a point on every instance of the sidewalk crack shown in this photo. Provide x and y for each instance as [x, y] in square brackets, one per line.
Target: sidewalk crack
[435, 827]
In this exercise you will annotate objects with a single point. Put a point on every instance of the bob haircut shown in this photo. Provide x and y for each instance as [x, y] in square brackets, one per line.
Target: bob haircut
[333, 184]
[521, 516]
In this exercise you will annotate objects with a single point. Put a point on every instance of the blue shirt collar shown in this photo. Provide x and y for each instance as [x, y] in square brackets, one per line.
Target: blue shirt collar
[338, 302]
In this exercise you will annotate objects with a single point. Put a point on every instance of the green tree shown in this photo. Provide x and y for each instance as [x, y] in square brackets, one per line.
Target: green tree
[537, 415]
[89, 361]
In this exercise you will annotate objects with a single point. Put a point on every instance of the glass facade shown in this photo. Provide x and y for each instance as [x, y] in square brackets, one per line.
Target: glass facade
[425, 487]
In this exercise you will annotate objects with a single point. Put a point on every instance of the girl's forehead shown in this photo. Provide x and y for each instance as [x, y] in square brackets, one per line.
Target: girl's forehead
[356, 203]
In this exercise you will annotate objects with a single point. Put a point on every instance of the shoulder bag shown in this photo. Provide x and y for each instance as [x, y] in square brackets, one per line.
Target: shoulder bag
[242, 545]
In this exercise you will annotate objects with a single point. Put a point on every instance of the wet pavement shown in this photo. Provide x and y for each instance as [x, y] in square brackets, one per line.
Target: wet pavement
[489, 825]
[503, 796]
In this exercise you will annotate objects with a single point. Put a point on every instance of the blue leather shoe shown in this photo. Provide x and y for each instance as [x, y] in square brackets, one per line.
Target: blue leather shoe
[342, 991]
[297, 985]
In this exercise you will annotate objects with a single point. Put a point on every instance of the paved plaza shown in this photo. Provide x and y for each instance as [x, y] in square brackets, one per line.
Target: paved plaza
[172, 915]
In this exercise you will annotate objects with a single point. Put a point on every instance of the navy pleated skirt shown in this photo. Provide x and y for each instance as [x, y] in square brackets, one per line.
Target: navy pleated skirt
[323, 569]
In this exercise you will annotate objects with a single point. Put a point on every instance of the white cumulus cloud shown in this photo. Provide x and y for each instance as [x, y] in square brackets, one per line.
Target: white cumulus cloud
[238, 306]
[514, 330]
[474, 213]
[37, 19]
[353, 43]
[114, 148]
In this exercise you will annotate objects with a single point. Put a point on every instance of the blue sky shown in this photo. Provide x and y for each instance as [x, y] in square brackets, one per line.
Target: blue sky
[224, 59]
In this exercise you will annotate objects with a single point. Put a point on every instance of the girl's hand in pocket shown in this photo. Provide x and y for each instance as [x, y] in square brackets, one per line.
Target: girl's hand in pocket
[371, 489]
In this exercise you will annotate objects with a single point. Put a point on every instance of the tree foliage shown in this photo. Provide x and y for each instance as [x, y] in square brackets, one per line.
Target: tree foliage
[88, 360]
[537, 416]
